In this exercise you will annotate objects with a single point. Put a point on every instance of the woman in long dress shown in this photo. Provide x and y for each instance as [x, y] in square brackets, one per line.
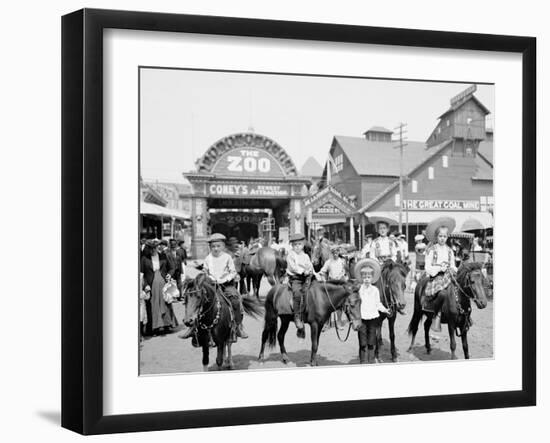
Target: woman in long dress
[157, 270]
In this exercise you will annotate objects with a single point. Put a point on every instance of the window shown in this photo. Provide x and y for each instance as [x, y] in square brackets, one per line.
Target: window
[448, 122]
[397, 200]
[439, 130]
[339, 162]
[445, 161]
[414, 185]
[431, 173]
[469, 120]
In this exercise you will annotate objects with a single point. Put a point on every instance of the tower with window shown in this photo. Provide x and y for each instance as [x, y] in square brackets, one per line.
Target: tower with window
[463, 123]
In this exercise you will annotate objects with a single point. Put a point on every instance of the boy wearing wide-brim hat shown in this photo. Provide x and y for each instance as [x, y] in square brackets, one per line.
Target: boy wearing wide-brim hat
[439, 263]
[368, 272]
[220, 269]
[299, 269]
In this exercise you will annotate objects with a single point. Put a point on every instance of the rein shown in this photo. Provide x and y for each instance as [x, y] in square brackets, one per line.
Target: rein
[461, 310]
[215, 303]
[335, 325]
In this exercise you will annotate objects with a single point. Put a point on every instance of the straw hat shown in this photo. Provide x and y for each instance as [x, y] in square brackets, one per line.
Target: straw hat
[418, 237]
[387, 221]
[439, 222]
[368, 263]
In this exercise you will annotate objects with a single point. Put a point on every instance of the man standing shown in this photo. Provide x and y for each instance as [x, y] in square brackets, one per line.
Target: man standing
[176, 262]
[182, 252]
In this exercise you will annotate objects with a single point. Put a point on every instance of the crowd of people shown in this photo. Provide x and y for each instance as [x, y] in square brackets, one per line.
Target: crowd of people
[163, 272]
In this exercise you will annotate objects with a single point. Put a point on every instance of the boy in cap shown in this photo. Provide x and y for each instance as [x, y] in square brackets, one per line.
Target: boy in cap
[369, 272]
[334, 268]
[299, 270]
[220, 269]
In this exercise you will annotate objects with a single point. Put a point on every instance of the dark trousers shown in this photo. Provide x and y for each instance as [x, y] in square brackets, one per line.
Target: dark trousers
[298, 286]
[367, 337]
[230, 291]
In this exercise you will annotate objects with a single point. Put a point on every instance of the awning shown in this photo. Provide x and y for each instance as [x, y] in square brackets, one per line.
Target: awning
[482, 219]
[161, 211]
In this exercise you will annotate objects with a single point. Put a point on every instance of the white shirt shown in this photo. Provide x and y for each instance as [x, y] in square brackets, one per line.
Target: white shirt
[334, 268]
[383, 247]
[221, 268]
[298, 264]
[436, 255]
[370, 302]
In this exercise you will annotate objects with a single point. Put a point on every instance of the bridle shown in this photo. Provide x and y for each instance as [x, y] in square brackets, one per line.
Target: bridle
[346, 311]
[470, 294]
[389, 302]
[202, 313]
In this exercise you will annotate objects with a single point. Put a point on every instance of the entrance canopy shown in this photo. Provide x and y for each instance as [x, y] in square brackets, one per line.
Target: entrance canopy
[464, 220]
[161, 211]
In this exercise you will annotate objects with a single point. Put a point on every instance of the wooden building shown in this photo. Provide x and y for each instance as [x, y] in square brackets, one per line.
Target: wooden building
[450, 173]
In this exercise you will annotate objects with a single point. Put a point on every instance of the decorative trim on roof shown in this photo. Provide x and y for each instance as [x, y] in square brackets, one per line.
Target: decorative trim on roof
[246, 140]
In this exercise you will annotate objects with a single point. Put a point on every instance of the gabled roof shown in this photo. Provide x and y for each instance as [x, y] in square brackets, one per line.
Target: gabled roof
[311, 168]
[462, 102]
[485, 150]
[407, 172]
[379, 129]
[484, 171]
[382, 158]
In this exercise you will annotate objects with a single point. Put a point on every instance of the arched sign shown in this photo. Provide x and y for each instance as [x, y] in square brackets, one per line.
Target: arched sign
[247, 155]
[248, 162]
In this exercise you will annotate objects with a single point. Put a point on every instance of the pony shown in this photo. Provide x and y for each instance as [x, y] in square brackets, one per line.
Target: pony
[210, 311]
[321, 300]
[455, 309]
[266, 261]
[392, 286]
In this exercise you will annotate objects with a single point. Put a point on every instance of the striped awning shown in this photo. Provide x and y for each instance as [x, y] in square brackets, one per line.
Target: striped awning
[464, 220]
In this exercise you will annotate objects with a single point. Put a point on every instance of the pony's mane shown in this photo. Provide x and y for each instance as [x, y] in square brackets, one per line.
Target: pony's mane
[466, 268]
[390, 266]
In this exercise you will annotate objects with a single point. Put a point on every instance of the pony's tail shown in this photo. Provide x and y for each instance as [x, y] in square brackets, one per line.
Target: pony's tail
[417, 314]
[270, 318]
[252, 307]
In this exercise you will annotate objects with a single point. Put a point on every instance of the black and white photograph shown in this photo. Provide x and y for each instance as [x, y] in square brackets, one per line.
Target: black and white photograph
[288, 221]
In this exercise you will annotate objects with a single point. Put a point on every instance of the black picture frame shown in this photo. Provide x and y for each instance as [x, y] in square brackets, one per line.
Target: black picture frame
[82, 220]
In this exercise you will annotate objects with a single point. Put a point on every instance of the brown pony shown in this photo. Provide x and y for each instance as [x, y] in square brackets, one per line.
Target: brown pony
[266, 261]
[455, 309]
[321, 300]
[391, 285]
[209, 310]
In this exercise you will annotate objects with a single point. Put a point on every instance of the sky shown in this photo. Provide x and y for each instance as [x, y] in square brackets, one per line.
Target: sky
[184, 112]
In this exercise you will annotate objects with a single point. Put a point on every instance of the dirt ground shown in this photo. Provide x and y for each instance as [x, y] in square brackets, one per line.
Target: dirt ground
[169, 354]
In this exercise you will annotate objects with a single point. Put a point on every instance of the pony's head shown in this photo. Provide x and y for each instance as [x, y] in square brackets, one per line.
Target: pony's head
[352, 305]
[394, 278]
[470, 279]
[193, 294]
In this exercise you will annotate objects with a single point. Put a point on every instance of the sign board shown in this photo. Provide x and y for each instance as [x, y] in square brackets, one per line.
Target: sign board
[459, 97]
[248, 162]
[441, 205]
[248, 190]
[328, 208]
